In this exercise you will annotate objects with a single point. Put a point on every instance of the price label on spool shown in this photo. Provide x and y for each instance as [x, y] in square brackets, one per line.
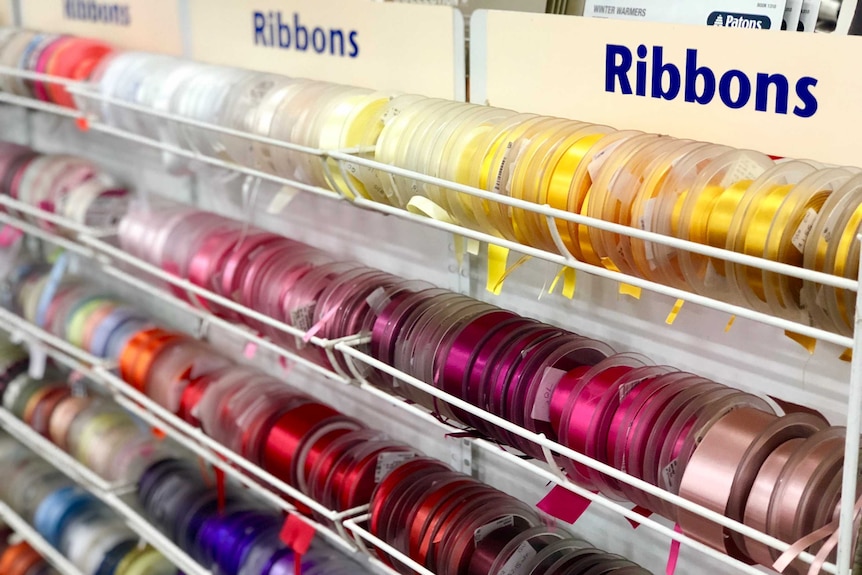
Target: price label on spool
[151, 25]
[414, 48]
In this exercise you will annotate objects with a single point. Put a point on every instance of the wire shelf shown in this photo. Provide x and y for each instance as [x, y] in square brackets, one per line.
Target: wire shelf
[213, 452]
[100, 489]
[36, 541]
[93, 246]
[562, 257]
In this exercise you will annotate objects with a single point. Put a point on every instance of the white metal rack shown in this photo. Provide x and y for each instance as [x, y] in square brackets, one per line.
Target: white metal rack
[249, 475]
[89, 246]
[109, 256]
[36, 541]
[110, 495]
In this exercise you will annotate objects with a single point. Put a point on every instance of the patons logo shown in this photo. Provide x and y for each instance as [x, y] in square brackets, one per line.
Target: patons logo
[734, 20]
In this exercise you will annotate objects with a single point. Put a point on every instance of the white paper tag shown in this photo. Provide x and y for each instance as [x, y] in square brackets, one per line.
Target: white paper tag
[626, 182]
[38, 360]
[627, 388]
[669, 474]
[281, 199]
[801, 234]
[107, 210]
[501, 172]
[645, 223]
[386, 462]
[599, 159]
[519, 560]
[303, 317]
[744, 169]
[512, 159]
[77, 383]
[711, 278]
[542, 405]
[461, 454]
[480, 533]
[377, 300]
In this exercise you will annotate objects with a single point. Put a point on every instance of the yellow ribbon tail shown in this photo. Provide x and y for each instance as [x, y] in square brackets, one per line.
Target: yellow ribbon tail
[809, 343]
[671, 317]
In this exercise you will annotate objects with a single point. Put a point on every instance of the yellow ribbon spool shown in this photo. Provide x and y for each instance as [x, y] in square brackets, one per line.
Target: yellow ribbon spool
[644, 205]
[757, 231]
[843, 265]
[557, 184]
[493, 176]
[467, 158]
[361, 129]
[580, 192]
[532, 157]
[442, 164]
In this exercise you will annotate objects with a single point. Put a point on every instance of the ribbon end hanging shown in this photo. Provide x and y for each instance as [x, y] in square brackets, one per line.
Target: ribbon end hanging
[673, 554]
[809, 343]
[625, 289]
[630, 290]
[671, 317]
[570, 280]
[498, 259]
[297, 534]
[569, 277]
[730, 323]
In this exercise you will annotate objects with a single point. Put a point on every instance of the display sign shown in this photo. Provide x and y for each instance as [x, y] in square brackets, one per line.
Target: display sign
[378, 45]
[151, 25]
[743, 88]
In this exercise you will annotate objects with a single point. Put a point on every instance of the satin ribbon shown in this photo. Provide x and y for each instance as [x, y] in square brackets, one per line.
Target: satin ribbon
[829, 533]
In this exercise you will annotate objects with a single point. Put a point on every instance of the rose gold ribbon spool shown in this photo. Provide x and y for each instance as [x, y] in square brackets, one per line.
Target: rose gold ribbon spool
[709, 477]
[800, 489]
[781, 431]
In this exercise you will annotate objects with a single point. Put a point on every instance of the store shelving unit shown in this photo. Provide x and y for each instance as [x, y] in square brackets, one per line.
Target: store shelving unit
[92, 245]
[114, 496]
[27, 533]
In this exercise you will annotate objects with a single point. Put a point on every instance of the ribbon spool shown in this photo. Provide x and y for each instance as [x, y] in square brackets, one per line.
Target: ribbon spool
[31, 484]
[20, 559]
[236, 539]
[63, 185]
[59, 509]
[114, 557]
[62, 418]
[146, 561]
[286, 437]
[764, 470]
[457, 525]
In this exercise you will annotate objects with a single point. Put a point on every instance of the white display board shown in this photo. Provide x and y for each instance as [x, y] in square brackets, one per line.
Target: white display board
[378, 45]
[151, 25]
[788, 95]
